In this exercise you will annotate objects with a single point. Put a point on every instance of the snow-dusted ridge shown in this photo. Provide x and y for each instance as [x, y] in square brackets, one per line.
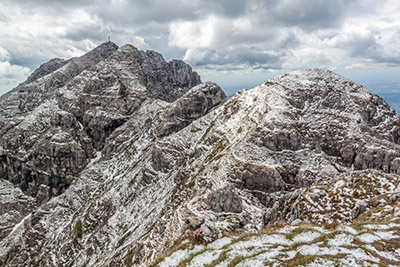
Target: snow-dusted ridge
[124, 161]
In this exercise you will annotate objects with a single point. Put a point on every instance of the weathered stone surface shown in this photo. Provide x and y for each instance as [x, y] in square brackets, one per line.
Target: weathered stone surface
[46, 68]
[225, 200]
[209, 232]
[359, 208]
[167, 80]
[195, 222]
[54, 143]
[128, 150]
[14, 206]
[191, 106]
[31, 93]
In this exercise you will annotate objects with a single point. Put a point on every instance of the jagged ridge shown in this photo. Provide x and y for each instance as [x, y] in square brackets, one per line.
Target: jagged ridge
[228, 165]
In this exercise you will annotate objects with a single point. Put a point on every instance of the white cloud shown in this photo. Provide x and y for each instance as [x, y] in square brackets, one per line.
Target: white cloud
[11, 75]
[4, 55]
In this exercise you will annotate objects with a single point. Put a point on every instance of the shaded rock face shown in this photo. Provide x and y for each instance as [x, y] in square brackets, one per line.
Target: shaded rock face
[190, 107]
[132, 162]
[225, 200]
[14, 206]
[53, 143]
[167, 80]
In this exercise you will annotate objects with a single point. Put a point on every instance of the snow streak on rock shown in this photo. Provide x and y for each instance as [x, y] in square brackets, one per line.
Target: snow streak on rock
[115, 157]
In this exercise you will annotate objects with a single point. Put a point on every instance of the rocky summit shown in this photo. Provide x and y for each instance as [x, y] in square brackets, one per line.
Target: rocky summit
[119, 158]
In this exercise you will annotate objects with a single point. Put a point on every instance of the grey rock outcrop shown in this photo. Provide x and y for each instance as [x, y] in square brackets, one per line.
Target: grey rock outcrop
[209, 232]
[31, 93]
[225, 200]
[57, 139]
[14, 207]
[128, 149]
[46, 68]
[167, 80]
[359, 208]
[191, 106]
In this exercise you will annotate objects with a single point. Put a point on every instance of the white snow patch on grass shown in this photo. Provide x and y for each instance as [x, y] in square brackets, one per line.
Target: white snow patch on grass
[322, 262]
[314, 249]
[306, 237]
[384, 254]
[386, 235]
[261, 240]
[175, 258]
[368, 238]
[347, 229]
[205, 258]
[219, 243]
[261, 258]
[360, 254]
[340, 240]
[381, 226]
[287, 229]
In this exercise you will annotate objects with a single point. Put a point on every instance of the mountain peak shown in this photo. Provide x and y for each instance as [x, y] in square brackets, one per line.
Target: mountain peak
[108, 45]
[117, 155]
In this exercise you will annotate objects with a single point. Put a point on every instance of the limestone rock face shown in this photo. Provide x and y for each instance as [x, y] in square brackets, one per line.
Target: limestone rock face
[50, 76]
[167, 80]
[225, 200]
[14, 206]
[53, 143]
[46, 68]
[190, 107]
[359, 208]
[136, 153]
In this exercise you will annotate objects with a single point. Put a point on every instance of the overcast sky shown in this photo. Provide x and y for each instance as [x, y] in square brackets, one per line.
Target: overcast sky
[236, 43]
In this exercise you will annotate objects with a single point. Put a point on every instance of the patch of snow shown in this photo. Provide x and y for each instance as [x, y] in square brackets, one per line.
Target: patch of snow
[20, 223]
[340, 240]
[347, 229]
[360, 254]
[94, 160]
[205, 258]
[320, 229]
[381, 226]
[219, 243]
[314, 249]
[306, 237]
[175, 258]
[388, 255]
[322, 262]
[260, 259]
[290, 255]
[368, 238]
[261, 240]
[386, 235]
[338, 184]
[287, 229]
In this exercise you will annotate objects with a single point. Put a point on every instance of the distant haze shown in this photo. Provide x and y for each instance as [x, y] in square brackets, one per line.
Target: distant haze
[234, 43]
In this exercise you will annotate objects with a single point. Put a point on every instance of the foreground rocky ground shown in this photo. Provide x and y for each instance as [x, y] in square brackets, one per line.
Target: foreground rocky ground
[321, 237]
[302, 245]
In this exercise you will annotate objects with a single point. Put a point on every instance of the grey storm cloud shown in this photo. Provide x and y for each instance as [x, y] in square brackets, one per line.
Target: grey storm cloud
[92, 31]
[220, 35]
[241, 58]
[310, 14]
